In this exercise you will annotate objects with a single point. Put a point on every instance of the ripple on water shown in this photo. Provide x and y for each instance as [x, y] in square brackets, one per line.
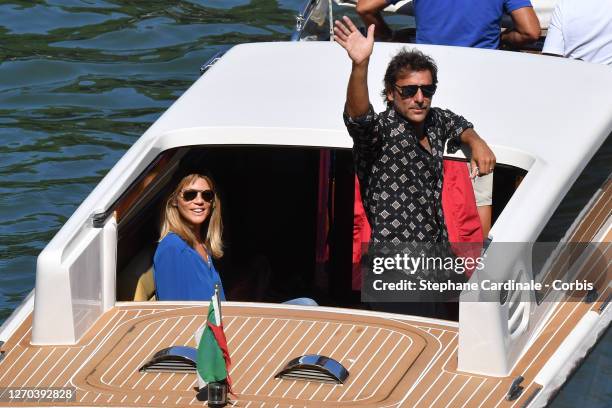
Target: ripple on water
[42, 19]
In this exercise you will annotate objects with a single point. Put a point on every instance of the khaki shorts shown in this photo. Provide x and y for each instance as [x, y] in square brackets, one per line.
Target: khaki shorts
[483, 189]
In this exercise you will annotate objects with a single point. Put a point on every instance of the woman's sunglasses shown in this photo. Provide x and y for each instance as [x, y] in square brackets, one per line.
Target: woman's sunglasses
[190, 195]
[408, 91]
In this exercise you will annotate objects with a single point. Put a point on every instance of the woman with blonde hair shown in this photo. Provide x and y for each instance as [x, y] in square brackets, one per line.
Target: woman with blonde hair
[190, 237]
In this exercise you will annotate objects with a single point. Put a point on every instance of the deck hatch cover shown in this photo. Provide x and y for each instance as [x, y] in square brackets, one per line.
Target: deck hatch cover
[314, 367]
[173, 359]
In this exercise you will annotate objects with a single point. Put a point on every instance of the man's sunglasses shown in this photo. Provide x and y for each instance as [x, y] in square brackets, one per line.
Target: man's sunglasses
[408, 91]
[190, 195]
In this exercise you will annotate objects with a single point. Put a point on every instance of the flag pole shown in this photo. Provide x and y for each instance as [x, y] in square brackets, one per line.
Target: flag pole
[218, 303]
[213, 339]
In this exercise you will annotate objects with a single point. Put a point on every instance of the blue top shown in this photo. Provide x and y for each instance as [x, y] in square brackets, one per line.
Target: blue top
[181, 273]
[466, 23]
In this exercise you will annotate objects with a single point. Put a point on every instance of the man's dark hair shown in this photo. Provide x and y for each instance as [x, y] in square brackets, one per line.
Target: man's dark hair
[408, 60]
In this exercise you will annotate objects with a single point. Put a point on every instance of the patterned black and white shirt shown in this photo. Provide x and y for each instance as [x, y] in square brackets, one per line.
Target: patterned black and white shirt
[401, 182]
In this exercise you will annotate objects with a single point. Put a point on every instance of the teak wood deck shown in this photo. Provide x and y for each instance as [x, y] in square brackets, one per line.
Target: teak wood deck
[394, 361]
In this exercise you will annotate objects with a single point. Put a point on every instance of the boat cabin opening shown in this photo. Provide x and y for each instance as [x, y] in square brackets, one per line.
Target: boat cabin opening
[288, 215]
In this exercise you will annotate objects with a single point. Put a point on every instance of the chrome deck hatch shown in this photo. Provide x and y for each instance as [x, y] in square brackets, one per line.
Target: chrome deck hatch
[314, 367]
[181, 359]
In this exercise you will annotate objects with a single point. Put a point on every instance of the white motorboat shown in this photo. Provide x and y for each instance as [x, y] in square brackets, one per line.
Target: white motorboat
[266, 121]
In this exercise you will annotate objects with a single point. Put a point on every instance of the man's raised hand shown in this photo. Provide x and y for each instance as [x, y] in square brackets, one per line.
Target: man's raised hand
[359, 48]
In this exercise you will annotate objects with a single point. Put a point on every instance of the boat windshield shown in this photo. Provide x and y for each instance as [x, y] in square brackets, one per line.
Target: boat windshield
[288, 216]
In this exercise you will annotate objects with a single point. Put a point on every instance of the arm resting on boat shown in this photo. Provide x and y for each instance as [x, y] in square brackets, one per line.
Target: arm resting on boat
[526, 27]
[482, 156]
[369, 11]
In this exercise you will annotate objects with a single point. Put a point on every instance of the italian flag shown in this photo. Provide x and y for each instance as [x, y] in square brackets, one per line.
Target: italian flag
[214, 362]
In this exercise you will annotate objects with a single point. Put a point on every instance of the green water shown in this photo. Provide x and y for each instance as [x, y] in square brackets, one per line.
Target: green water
[81, 80]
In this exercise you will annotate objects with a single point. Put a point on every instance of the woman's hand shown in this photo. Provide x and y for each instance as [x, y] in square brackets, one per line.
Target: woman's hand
[358, 47]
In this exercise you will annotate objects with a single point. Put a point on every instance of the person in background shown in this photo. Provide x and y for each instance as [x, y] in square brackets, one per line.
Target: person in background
[465, 23]
[190, 238]
[581, 29]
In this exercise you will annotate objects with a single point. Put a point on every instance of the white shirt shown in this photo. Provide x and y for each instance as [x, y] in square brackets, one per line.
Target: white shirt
[581, 29]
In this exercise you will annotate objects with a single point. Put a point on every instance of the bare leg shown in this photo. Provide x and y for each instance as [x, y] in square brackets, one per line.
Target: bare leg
[485, 213]
[483, 191]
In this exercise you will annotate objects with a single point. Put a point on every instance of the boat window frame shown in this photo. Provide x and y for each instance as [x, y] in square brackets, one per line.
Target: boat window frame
[124, 205]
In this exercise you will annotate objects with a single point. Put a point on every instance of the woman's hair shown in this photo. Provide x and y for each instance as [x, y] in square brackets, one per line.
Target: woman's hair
[172, 221]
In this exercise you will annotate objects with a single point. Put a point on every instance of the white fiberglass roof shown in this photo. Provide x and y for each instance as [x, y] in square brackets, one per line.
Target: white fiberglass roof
[293, 93]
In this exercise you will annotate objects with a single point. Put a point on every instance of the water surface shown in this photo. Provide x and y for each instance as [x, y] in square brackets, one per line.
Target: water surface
[81, 80]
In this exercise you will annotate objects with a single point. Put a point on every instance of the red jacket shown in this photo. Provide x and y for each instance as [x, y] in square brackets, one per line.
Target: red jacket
[460, 215]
